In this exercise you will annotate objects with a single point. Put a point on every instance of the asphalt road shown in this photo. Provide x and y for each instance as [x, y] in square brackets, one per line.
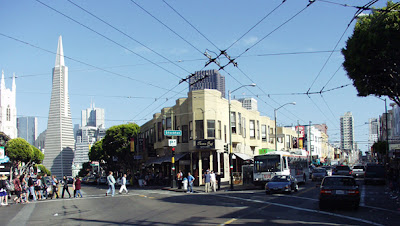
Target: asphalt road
[160, 207]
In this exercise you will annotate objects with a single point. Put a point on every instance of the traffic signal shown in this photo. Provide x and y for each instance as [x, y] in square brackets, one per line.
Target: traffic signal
[173, 151]
[226, 148]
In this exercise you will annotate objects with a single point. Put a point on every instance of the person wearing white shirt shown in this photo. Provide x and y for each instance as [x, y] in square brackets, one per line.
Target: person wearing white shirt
[213, 180]
[123, 185]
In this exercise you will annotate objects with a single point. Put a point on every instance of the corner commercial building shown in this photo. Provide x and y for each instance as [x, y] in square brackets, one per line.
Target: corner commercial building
[59, 143]
[204, 121]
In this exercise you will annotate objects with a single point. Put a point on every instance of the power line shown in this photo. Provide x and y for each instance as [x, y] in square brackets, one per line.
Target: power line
[107, 38]
[287, 21]
[256, 24]
[130, 37]
[190, 24]
[81, 62]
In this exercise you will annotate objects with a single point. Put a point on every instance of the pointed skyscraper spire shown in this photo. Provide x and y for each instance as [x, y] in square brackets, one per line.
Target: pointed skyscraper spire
[60, 53]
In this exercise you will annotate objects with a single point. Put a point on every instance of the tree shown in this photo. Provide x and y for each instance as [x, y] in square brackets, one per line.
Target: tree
[19, 149]
[85, 169]
[96, 152]
[116, 143]
[38, 156]
[43, 170]
[372, 53]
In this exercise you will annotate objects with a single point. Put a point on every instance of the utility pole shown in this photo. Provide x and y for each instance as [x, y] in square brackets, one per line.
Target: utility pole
[309, 141]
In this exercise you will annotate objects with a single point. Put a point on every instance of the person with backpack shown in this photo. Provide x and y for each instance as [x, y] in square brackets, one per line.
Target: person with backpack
[3, 190]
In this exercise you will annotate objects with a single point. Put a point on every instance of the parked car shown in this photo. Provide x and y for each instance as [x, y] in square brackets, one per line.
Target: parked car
[119, 181]
[374, 173]
[358, 171]
[102, 180]
[318, 174]
[339, 189]
[281, 183]
[342, 170]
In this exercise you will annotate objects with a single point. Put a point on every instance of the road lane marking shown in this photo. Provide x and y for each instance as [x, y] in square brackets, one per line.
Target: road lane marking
[228, 222]
[303, 209]
[23, 215]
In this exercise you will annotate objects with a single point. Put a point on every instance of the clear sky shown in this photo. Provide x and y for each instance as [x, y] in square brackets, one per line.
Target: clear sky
[132, 68]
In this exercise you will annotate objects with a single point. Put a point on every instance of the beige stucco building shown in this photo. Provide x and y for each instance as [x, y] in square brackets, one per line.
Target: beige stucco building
[203, 119]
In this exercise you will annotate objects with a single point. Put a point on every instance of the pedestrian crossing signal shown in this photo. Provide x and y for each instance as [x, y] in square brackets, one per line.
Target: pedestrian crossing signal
[226, 147]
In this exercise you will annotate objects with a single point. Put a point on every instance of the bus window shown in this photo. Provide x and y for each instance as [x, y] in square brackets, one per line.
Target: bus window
[284, 162]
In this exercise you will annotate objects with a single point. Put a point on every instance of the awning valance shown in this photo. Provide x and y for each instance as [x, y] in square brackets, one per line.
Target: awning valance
[243, 156]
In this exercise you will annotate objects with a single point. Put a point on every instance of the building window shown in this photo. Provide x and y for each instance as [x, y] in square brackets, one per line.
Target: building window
[210, 129]
[225, 132]
[233, 122]
[185, 135]
[159, 127]
[219, 130]
[264, 133]
[258, 130]
[252, 129]
[239, 123]
[190, 130]
[244, 127]
[287, 141]
[199, 129]
[169, 123]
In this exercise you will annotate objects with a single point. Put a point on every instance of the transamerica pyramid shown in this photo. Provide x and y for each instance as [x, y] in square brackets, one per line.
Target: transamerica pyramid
[59, 143]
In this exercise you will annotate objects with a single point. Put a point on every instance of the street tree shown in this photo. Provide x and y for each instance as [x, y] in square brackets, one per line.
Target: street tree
[96, 152]
[372, 53]
[20, 151]
[116, 146]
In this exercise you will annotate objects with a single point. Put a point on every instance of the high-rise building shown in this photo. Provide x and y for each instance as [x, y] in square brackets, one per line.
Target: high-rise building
[27, 129]
[207, 79]
[347, 131]
[249, 103]
[373, 125]
[8, 109]
[93, 117]
[59, 152]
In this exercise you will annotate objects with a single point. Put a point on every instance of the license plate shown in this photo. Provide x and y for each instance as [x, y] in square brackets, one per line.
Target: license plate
[340, 192]
[267, 176]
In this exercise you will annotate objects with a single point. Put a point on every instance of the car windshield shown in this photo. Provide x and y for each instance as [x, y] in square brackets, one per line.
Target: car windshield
[339, 181]
[319, 170]
[267, 163]
[280, 178]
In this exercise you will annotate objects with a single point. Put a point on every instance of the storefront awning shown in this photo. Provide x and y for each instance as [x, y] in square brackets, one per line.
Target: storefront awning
[243, 156]
[167, 158]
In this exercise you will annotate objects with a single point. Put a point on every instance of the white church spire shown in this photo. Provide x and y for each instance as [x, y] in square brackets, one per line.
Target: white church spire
[60, 53]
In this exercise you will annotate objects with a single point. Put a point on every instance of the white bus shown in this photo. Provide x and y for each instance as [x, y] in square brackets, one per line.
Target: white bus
[280, 163]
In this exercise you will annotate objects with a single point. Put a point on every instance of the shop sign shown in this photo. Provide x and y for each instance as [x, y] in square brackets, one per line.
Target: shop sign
[205, 144]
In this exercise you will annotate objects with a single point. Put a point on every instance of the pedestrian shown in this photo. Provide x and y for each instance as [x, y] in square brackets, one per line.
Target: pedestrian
[123, 185]
[73, 186]
[78, 187]
[25, 189]
[111, 184]
[17, 189]
[179, 178]
[3, 190]
[31, 186]
[65, 187]
[207, 181]
[54, 183]
[38, 188]
[44, 185]
[190, 179]
[213, 180]
[219, 181]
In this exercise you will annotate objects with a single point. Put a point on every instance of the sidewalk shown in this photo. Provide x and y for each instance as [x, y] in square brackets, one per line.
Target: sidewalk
[224, 188]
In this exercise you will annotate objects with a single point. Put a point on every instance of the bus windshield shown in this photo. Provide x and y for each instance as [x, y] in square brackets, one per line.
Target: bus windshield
[267, 163]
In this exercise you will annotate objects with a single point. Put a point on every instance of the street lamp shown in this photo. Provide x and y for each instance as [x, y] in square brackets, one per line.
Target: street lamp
[230, 131]
[276, 136]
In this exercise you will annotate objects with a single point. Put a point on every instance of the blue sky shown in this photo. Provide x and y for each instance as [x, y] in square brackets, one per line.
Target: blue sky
[129, 80]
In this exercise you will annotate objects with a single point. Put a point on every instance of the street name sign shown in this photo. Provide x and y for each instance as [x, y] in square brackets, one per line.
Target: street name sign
[172, 132]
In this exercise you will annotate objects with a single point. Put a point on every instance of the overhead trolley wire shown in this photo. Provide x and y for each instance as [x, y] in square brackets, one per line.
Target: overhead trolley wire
[107, 38]
[127, 35]
[81, 62]
[256, 24]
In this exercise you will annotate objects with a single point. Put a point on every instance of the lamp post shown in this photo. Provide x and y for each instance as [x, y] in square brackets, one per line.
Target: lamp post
[276, 136]
[230, 132]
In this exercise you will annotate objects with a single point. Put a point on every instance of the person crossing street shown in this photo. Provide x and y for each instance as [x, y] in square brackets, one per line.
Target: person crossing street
[123, 185]
[111, 184]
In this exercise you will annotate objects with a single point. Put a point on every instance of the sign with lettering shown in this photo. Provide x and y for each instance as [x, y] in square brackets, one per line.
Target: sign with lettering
[205, 144]
[172, 132]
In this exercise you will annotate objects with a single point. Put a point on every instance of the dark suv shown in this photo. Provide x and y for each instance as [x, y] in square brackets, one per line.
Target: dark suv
[342, 170]
[339, 189]
[374, 173]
